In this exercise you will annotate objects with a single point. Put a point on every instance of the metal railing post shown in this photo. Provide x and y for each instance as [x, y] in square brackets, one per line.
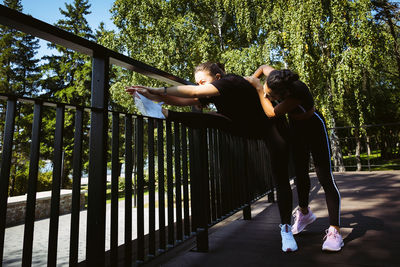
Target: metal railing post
[95, 242]
[245, 157]
[76, 188]
[56, 187]
[202, 194]
[140, 249]
[128, 190]
[5, 168]
[32, 185]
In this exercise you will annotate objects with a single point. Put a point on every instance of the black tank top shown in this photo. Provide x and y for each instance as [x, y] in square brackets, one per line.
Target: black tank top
[239, 101]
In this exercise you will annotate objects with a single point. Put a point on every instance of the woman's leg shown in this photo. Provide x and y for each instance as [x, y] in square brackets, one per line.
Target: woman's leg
[279, 152]
[320, 149]
[301, 158]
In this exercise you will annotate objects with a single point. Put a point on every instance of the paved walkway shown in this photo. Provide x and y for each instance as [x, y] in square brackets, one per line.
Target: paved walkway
[14, 237]
[370, 227]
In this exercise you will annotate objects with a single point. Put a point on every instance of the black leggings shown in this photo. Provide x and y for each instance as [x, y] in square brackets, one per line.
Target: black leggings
[274, 135]
[311, 136]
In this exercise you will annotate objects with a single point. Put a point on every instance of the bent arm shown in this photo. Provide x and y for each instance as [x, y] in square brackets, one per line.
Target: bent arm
[281, 109]
[263, 70]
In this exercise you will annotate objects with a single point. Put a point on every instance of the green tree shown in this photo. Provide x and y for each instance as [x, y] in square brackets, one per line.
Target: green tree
[68, 80]
[332, 45]
[177, 35]
[8, 42]
[22, 73]
[69, 72]
[339, 48]
[346, 51]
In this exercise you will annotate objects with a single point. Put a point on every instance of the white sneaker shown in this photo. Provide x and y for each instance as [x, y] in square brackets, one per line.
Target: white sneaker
[148, 107]
[288, 242]
[333, 240]
[301, 220]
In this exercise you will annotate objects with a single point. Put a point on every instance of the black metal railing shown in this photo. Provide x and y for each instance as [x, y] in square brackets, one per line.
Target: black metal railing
[224, 177]
[201, 177]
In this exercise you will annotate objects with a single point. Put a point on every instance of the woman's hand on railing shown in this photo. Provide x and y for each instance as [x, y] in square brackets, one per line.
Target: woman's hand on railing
[148, 92]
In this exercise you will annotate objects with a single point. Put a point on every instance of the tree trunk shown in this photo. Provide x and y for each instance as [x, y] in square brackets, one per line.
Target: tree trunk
[66, 163]
[14, 160]
[395, 38]
[337, 155]
[221, 40]
[12, 185]
[358, 149]
[368, 153]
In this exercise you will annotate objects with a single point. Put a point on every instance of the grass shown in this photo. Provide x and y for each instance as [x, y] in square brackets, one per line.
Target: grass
[375, 160]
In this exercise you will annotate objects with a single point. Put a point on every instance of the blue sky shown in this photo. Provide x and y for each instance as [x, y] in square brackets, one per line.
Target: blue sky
[48, 11]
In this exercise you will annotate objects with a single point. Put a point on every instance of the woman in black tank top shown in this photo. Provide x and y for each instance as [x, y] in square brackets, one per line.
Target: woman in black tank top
[308, 135]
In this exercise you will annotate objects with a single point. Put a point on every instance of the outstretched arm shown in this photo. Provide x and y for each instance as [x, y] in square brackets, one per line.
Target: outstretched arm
[185, 91]
[180, 101]
[183, 95]
[263, 70]
[167, 99]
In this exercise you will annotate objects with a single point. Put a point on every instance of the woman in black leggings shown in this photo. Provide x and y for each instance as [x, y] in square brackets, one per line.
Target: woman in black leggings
[309, 134]
[238, 110]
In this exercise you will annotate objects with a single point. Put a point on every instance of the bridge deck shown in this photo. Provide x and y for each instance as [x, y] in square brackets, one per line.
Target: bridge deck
[370, 228]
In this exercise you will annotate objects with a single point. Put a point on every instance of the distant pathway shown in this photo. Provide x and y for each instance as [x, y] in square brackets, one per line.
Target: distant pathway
[14, 237]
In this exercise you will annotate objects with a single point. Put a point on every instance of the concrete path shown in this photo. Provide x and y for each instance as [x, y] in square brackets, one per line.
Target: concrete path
[14, 237]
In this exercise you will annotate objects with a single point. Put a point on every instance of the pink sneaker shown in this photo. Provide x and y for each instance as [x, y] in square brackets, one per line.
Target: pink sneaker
[301, 220]
[333, 240]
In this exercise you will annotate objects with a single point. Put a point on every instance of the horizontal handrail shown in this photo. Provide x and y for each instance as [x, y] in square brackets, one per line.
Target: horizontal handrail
[48, 103]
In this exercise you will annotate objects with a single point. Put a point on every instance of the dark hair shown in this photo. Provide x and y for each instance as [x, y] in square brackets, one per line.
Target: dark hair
[211, 67]
[279, 81]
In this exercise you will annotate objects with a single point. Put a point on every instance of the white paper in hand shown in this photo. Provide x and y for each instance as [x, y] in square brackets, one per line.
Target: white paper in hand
[148, 107]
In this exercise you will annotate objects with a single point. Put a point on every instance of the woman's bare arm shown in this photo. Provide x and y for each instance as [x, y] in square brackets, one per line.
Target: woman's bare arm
[185, 91]
[167, 99]
[263, 70]
[281, 109]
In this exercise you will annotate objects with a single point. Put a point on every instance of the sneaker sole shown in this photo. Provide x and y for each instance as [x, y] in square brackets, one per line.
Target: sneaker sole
[333, 250]
[310, 222]
[289, 250]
